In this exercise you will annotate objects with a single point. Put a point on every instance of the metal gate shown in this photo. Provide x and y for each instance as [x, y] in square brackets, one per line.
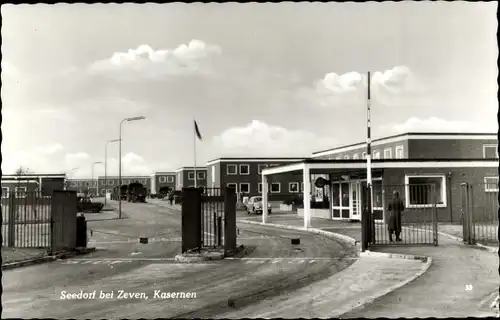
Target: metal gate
[26, 219]
[63, 221]
[415, 225]
[209, 219]
[479, 213]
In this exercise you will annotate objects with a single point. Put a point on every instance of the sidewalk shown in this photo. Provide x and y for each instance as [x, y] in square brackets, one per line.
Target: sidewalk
[10, 255]
[458, 283]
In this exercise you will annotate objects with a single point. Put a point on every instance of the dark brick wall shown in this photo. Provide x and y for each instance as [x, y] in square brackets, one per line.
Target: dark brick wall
[163, 184]
[448, 148]
[254, 178]
[395, 178]
[185, 182]
[51, 184]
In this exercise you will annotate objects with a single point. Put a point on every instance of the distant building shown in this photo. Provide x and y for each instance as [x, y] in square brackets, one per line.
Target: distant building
[185, 177]
[83, 186]
[162, 180]
[113, 181]
[20, 184]
[245, 175]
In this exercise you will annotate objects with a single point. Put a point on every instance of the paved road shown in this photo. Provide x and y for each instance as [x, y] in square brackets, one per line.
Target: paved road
[273, 267]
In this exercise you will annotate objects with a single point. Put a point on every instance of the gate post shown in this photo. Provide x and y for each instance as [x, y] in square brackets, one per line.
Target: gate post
[434, 215]
[12, 220]
[191, 219]
[230, 219]
[472, 227]
[464, 187]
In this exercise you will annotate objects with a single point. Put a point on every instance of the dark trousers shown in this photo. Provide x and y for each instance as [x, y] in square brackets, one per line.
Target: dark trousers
[171, 202]
[396, 232]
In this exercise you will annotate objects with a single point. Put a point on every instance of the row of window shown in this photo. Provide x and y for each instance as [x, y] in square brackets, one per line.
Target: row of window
[20, 192]
[201, 176]
[275, 187]
[166, 179]
[399, 154]
[244, 169]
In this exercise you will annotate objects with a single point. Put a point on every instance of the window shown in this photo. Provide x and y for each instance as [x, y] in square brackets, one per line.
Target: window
[261, 167]
[376, 154]
[245, 187]
[259, 188]
[275, 187]
[293, 187]
[377, 194]
[490, 151]
[232, 170]
[170, 179]
[233, 185]
[388, 153]
[491, 184]
[244, 169]
[419, 190]
[20, 192]
[201, 175]
[103, 191]
[363, 155]
[399, 152]
[190, 175]
[111, 182]
[163, 179]
[355, 156]
[346, 157]
[191, 186]
[337, 158]
[5, 192]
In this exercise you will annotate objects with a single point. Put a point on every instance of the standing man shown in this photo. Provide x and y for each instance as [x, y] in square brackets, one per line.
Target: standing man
[396, 207]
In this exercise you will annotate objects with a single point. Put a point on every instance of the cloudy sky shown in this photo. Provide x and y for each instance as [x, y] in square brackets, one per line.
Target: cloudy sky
[261, 79]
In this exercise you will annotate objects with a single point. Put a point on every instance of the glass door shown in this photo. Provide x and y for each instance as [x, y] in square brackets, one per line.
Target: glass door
[355, 212]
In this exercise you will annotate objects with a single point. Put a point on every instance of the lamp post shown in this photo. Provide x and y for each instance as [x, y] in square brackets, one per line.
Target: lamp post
[106, 167]
[93, 164]
[120, 161]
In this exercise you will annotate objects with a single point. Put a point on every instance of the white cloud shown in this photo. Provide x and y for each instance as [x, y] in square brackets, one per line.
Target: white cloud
[397, 86]
[434, 124]
[260, 139]
[184, 59]
[49, 148]
[56, 114]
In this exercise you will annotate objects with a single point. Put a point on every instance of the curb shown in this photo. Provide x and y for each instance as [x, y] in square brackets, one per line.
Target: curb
[63, 255]
[399, 256]
[328, 234]
[384, 292]
[210, 255]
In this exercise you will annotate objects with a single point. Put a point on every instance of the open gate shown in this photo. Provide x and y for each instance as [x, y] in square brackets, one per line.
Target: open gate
[479, 213]
[415, 225]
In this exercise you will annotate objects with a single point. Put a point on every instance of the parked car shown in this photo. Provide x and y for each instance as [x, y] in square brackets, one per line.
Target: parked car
[254, 205]
[85, 204]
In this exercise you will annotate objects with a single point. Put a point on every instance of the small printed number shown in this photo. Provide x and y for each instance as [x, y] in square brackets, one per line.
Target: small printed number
[468, 287]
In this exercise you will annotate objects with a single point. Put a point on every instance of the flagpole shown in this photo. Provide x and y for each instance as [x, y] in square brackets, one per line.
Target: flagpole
[194, 147]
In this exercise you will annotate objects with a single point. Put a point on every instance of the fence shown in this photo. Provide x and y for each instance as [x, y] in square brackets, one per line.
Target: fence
[26, 220]
[212, 217]
[415, 223]
[208, 219]
[479, 212]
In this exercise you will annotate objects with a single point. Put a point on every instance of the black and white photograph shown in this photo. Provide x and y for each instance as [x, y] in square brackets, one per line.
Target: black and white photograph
[250, 160]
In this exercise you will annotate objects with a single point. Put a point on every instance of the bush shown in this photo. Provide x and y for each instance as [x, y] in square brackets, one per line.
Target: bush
[288, 202]
[297, 201]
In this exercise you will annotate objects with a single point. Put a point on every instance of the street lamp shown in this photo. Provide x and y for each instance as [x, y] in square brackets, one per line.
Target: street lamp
[97, 187]
[106, 167]
[120, 161]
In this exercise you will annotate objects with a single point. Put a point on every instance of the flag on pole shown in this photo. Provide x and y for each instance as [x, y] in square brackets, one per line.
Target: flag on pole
[197, 130]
